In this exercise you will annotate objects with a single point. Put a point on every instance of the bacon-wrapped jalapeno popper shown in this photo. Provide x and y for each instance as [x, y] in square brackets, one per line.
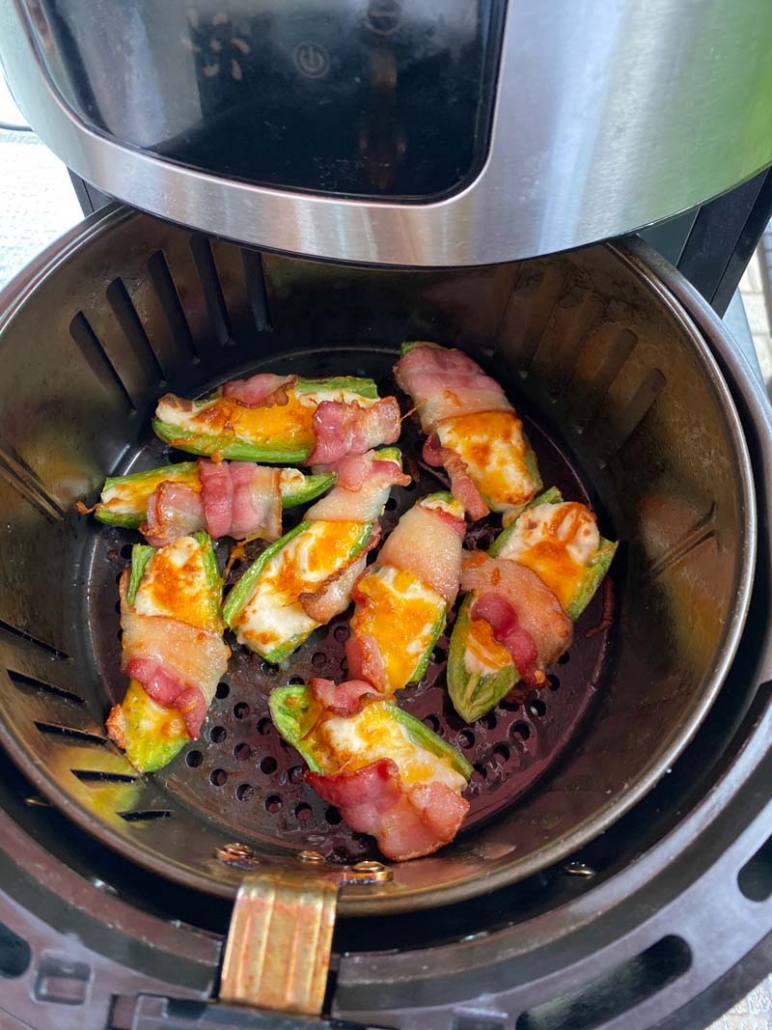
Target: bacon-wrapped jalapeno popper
[281, 419]
[524, 594]
[389, 775]
[472, 429]
[306, 577]
[173, 650]
[403, 600]
[238, 499]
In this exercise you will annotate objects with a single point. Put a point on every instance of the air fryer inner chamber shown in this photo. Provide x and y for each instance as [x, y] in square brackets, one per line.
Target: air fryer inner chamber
[595, 354]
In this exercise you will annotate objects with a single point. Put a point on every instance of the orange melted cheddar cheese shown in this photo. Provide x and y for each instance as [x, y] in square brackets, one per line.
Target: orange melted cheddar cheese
[557, 542]
[497, 457]
[484, 654]
[292, 423]
[403, 615]
[175, 584]
[273, 614]
[345, 744]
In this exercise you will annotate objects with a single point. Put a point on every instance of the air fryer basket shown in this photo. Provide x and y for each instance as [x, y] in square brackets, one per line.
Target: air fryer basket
[604, 365]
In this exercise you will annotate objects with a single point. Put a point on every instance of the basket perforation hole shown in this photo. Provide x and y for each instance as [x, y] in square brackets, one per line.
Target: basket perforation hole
[333, 817]
[217, 734]
[341, 634]
[126, 551]
[264, 727]
[319, 660]
[241, 710]
[245, 792]
[296, 774]
[391, 504]
[194, 759]
[222, 691]
[536, 708]
[432, 722]
[218, 777]
[509, 705]
[273, 804]
[501, 754]
[564, 658]
[489, 721]
[268, 765]
[479, 774]
[242, 752]
[303, 812]
[554, 681]
[297, 681]
[520, 730]
[465, 739]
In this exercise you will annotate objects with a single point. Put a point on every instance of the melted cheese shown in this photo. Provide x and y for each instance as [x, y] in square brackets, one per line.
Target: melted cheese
[484, 654]
[133, 496]
[175, 584]
[557, 542]
[402, 615]
[273, 615]
[374, 734]
[276, 425]
[492, 446]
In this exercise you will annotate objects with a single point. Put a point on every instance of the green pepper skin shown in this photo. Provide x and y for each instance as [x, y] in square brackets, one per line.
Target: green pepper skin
[473, 694]
[295, 712]
[279, 454]
[187, 472]
[243, 590]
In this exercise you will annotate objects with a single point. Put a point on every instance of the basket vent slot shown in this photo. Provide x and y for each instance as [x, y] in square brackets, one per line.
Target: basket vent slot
[755, 877]
[15, 954]
[258, 295]
[95, 776]
[166, 292]
[55, 730]
[97, 358]
[20, 680]
[145, 816]
[127, 318]
[28, 638]
[15, 470]
[614, 993]
[211, 288]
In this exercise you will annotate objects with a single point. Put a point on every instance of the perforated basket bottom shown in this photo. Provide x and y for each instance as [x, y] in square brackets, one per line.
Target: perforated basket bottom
[243, 780]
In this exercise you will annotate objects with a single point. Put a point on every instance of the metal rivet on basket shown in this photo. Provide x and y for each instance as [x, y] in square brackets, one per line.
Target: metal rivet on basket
[235, 854]
[578, 869]
[368, 872]
[311, 856]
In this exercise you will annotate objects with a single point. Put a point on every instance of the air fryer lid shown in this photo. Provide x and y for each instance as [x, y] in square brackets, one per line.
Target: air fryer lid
[604, 361]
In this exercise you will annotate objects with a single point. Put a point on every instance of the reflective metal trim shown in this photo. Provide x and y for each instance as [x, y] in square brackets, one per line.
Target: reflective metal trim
[606, 120]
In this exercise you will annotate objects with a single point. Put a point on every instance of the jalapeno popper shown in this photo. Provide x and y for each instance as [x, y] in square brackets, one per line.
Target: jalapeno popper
[306, 577]
[281, 419]
[238, 499]
[516, 620]
[472, 429]
[388, 774]
[402, 601]
[173, 649]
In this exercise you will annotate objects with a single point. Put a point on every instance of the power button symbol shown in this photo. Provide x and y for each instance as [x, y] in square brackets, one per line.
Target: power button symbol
[311, 60]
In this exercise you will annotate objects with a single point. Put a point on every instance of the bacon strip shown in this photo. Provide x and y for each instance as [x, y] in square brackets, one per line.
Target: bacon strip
[262, 390]
[173, 510]
[361, 489]
[344, 699]
[334, 595]
[461, 484]
[342, 428]
[407, 822]
[240, 499]
[444, 382]
[427, 542]
[524, 613]
[365, 661]
[177, 664]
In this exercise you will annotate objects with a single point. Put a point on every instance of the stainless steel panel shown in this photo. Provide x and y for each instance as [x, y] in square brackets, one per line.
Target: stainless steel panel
[611, 115]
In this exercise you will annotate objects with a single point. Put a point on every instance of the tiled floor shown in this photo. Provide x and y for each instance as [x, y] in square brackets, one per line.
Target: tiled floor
[38, 204]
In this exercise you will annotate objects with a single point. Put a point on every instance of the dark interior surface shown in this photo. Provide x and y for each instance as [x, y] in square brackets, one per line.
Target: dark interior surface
[601, 365]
